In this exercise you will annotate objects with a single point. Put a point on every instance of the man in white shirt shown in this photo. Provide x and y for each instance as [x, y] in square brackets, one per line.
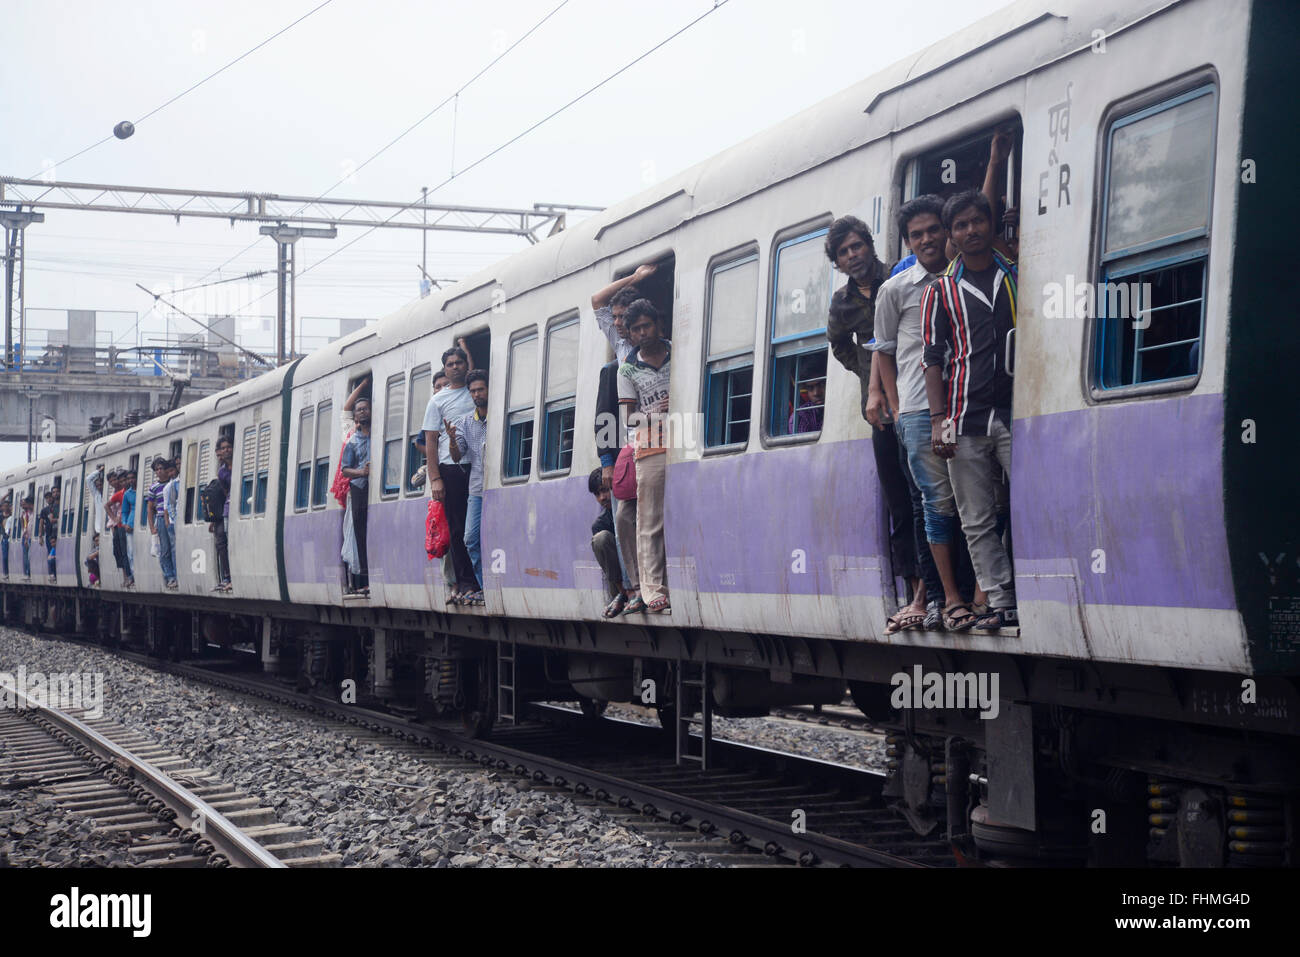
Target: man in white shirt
[449, 484]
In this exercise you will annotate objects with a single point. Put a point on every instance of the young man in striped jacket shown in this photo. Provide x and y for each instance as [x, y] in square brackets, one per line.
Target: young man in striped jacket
[968, 316]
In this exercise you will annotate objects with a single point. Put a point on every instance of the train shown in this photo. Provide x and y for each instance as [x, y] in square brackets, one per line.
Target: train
[1148, 708]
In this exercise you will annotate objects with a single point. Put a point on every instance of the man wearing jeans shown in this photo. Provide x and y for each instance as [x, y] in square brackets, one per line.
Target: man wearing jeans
[643, 392]
[468, 440]
[970, 312]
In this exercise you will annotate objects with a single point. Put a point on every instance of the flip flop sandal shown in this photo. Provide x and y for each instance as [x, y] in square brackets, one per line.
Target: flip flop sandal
[635, 606]
[616, 606]
[659, 606]
[904, 621]
[958, 617]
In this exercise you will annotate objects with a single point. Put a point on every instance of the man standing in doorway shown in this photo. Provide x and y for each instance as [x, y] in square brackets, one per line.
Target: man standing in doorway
[450, 483]
[468, 439]
[355, 463]
[643, 393]
[970, 313]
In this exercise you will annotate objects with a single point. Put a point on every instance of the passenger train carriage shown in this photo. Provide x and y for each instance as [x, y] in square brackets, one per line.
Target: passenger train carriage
[1155, 559]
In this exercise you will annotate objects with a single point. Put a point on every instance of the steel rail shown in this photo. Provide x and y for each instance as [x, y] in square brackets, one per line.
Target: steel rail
[774, 838]
[227, 839]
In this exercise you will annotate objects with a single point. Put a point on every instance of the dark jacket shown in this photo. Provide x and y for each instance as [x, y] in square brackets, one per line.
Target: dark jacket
[851, 325]
[606, 424]
[604, 523]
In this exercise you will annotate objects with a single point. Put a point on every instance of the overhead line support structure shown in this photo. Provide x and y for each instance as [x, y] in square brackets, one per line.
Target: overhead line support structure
[307, 216]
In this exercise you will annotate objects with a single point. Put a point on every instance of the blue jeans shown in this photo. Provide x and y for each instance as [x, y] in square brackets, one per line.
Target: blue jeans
[167, 551]
[931, 475]
[4, 550]
[473, 522]
[27, 559]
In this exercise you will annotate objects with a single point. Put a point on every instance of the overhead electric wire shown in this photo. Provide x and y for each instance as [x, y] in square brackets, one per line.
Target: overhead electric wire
[450, 98]
[717, 5]
[158, 109]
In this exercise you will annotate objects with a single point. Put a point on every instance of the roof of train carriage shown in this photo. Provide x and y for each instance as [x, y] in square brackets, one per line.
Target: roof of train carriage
[999, 48]
[260, 389]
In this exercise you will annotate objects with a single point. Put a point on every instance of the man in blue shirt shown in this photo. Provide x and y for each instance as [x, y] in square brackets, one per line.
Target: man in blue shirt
[355, 465]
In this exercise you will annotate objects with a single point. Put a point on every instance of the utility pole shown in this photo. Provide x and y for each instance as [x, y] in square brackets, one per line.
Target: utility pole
[424, 233]
[286, 306]
[15, 221]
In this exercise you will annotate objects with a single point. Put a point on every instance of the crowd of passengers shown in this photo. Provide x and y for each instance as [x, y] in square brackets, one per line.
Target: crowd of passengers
[927, 339]
[112, 513]
[929, 343]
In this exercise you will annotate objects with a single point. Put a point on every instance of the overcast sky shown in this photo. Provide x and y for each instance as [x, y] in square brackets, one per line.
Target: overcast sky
[305, 110]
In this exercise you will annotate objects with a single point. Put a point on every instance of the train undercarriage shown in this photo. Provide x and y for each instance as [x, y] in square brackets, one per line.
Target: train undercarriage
[1065, 765]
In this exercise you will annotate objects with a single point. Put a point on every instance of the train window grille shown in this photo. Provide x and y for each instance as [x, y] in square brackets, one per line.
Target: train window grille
[1150, 302]
[263, 468]
[520, 396]
[729, 358]
[561, 393]
[246, 471]
[321, 473]
[85, 506]
[302, 480]
[394, 433]
[421, 392]
[801, 297]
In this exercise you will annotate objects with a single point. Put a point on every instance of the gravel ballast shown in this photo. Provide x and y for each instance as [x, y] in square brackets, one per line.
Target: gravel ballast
[375, 805]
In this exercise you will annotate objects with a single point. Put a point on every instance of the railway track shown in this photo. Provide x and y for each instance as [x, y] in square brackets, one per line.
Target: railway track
[756, 806]
[168, 813]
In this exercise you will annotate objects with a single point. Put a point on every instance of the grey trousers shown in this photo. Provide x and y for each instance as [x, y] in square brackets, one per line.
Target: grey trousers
[602, 543]
[976, 476]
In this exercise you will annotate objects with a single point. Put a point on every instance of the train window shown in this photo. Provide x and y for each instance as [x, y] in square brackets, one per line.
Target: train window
[247, 464]
[205, 475]
[321, 474]
[302, 480]
[521, 389]
[174, 452]
[85, 506]
[801, 298]
[191, 470]
[421, 386]
[263, 468]
[729, 376]
[561, 392]
[394, 433]
[1150, 301]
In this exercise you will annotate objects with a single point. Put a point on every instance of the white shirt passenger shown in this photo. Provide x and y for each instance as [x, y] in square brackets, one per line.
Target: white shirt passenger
[898, 333]
[449, 405]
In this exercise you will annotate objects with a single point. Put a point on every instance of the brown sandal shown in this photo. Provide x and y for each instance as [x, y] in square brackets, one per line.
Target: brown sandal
[958, 617]
[904, 621]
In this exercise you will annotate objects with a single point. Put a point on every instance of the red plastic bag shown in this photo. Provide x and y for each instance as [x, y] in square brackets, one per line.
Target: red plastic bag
[437, 533]
[341, 484]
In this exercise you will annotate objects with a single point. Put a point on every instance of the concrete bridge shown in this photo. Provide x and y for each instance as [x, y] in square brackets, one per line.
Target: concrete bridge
[72, 398]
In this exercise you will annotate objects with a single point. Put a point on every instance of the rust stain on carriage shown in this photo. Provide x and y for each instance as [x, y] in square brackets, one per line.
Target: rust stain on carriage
[543, 573]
